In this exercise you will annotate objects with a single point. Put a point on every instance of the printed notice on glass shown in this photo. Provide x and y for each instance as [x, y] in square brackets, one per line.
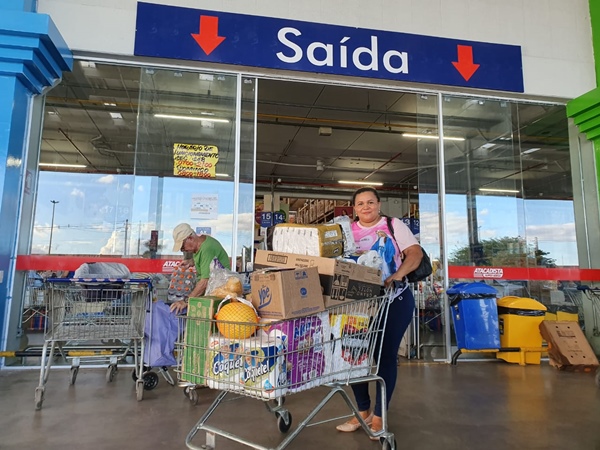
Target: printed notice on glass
[205, 206]
[195, 160]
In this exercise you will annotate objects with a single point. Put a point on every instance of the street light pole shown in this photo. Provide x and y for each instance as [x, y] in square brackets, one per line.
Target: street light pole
[54, 202]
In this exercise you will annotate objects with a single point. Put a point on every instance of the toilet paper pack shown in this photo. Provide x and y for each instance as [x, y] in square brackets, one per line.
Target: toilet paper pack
[264, 371]
[224, 363]
[307, 350]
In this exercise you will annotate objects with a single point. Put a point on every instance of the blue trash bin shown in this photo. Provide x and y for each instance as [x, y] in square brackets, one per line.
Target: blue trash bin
[475, 316]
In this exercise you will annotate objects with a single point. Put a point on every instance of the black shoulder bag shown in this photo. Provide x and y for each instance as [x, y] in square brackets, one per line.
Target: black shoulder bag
[424, 269]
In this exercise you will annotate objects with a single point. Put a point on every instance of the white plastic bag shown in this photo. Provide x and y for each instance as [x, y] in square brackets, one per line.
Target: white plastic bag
[349, 243]
[220, 277]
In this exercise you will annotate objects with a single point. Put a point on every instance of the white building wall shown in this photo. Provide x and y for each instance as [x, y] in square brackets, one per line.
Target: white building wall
[555, 35]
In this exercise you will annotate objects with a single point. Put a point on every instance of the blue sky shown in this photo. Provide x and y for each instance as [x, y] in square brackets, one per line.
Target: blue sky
[551, 222]
[92, 210]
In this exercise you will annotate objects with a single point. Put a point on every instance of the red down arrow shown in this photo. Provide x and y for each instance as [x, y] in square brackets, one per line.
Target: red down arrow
[208, 34]
[465, 65]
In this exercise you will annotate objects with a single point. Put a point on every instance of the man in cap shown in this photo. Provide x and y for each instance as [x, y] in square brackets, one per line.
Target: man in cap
[206, 252]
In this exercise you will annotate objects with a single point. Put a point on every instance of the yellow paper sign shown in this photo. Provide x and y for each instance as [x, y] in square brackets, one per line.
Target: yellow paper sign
[195, 160]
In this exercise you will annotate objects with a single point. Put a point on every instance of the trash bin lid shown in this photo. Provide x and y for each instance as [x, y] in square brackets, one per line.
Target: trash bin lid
[512, 302]
[472, 290]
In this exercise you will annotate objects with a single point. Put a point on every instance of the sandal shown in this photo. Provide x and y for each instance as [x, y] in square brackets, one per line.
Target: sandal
[354, 424]
[377, 431]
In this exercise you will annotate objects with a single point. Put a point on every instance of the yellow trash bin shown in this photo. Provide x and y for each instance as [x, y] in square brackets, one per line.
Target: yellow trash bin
[562, 312]
[519, 320]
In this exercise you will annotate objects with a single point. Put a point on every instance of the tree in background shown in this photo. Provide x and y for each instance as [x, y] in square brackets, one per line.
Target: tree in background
[505, 252]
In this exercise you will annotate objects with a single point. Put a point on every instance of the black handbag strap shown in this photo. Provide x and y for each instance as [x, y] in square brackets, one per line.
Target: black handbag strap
[390, 226]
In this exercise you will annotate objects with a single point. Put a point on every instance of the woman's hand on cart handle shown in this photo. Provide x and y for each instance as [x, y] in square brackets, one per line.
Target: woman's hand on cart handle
[179, 306]
[399, 284]
[394, 282]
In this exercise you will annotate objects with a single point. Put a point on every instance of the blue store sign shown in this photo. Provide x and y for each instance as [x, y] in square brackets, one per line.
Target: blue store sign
[200, 35]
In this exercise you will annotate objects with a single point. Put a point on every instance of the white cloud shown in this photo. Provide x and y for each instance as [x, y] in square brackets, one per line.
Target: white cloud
[77, 193]
[108, 179]
[115, 243]
[487, 234]
[456, 229]
[483, 212]
[126, 186]
[140, 188]
[552, 233]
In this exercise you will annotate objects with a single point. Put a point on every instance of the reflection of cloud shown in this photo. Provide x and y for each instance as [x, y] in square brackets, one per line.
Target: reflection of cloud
[483, 212]
[77, 193]
[456, 229]
[108, 179]
[554, 232]
[41, 231]
[115, 243]
[488, 234]
[140, 188]
[39, 249]
[126, 186]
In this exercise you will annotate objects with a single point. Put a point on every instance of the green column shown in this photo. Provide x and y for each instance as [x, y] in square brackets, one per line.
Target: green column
[585, 110]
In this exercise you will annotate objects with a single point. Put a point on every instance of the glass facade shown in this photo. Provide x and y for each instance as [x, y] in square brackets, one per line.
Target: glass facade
[495, 192]
[180, 166]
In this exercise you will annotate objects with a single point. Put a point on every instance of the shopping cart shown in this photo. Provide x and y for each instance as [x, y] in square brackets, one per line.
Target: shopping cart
[34, 303]
[593, 295]
[334, 348]
[92, 311]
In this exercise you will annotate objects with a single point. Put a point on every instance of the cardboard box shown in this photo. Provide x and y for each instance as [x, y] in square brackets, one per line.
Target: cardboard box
[198, 329]
[315, 240]
[341, 280]
[568, 348]
[286, 293]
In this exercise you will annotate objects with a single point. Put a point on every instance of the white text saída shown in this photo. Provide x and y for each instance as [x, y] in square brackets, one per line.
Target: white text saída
[329, 54]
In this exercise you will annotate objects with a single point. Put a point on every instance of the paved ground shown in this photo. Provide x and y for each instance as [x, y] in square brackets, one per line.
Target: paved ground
[490, 405]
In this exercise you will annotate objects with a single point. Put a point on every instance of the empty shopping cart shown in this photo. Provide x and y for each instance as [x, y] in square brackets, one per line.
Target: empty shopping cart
[91, 311]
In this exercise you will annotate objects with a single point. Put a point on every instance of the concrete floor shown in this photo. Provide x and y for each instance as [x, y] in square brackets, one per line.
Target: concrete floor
[490, 405]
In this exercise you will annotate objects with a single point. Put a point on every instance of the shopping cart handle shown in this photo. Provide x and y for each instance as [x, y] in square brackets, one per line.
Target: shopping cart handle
[583, 287]
[399, 284]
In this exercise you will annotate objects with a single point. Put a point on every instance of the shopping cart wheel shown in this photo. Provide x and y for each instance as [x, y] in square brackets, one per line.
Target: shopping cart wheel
[150, 380]
[192, 394]
[39, 397]
[284, 421]
[74, 372]
[598, 377]
[388, 443]
[139, 390]
[110, 372]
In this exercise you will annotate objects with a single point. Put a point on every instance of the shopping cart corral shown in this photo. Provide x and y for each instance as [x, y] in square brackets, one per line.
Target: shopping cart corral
[91, 311]
[334, 348]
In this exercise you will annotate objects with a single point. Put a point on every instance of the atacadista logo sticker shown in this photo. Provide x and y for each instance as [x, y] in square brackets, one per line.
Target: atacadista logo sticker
[488, 272]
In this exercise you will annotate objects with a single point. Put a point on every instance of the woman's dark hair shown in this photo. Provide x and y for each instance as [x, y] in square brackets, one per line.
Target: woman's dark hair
[363, 190]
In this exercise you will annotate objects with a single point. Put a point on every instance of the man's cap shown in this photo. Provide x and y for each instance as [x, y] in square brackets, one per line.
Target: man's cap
[180, 232]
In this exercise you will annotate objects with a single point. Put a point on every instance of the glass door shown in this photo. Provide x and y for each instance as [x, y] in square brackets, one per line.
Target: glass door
[430, 315]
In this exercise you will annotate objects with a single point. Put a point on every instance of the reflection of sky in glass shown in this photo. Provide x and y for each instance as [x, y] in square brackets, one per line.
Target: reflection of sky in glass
[93, 211]
[549, 224]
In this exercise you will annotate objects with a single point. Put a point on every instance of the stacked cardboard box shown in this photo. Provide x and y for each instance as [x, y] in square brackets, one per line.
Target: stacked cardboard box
[568, 349]
[341, 280]
[286, 293]
[197, 336]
